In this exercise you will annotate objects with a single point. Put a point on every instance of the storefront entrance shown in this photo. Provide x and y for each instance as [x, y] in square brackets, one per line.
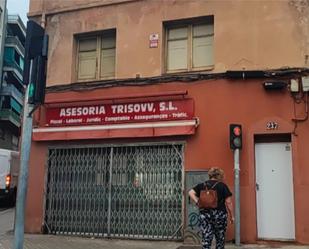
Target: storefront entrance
[130, 191]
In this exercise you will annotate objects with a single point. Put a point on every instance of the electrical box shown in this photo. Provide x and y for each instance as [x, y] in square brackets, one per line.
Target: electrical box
[305, 83]
[274, 85]
[192, 231]
[294, 87]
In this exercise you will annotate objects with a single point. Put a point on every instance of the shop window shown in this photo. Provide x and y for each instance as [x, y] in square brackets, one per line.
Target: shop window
[189, 44]
[96, 56]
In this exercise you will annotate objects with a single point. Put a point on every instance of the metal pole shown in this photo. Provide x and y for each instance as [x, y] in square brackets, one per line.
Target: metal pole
[237, 197]
[110, 194]
[23, 174]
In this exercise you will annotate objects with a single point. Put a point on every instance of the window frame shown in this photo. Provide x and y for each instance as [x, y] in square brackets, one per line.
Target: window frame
[189, 24]
[99, 36]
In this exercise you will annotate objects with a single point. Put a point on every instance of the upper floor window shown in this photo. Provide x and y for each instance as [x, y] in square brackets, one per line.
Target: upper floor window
[96, 56]
[189, 45]
[17, 58]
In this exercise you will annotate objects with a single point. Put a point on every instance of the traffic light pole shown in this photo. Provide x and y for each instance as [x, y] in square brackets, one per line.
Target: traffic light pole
[34, 77]
[237, 197]
[23, 174]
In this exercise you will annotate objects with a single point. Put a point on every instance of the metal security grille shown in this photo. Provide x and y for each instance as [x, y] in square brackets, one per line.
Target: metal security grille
[121, 191]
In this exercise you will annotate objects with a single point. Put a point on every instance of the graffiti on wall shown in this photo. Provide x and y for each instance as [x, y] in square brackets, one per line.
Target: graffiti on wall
[192, 233]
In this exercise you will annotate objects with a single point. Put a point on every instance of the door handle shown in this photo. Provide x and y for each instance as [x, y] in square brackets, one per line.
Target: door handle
[257, 186]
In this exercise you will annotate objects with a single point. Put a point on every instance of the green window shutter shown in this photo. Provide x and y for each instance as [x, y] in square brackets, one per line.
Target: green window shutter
[177, 49]
[108, 55]
[87, 65]
[202, 46]
[87, 57]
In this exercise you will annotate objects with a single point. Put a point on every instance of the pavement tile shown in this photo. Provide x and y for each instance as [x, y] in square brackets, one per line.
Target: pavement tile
[37, 241]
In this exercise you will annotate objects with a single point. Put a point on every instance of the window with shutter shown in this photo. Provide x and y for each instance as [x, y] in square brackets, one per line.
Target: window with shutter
[96, 57]
[202, 46]
[108, 50]
[87, 58]
[189, 45]
[177, 49]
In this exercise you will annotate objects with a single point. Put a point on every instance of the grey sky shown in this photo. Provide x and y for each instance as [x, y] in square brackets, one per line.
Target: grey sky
[19, 7]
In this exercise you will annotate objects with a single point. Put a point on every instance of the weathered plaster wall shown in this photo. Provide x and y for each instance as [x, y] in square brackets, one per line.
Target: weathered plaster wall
[301, 9]
[248, 34]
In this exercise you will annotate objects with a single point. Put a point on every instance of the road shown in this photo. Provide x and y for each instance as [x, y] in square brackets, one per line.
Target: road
[6, 220]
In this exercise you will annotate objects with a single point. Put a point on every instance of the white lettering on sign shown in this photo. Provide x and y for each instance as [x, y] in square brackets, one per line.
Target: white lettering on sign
[150, 117]
[82, 111]
[56, 121]
[101, 113]
[179, 115]
[167, 106]
[133, 108]
[74, 120]
[93, 120]
[114, 119]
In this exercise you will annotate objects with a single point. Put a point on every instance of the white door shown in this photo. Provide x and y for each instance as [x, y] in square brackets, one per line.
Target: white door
[274, 191]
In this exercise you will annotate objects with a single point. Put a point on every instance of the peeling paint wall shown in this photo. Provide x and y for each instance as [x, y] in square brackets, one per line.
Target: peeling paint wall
[301, 9]
[248, 34]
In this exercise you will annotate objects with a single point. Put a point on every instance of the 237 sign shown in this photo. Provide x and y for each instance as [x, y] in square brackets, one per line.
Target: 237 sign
[272, 125]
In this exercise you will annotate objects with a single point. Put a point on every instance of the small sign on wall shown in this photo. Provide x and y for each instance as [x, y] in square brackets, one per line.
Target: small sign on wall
[154, 40]
[271, 125]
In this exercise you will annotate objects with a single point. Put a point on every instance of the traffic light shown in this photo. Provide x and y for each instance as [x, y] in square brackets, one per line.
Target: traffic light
[38, 81]
[235, 136]
[36, 47]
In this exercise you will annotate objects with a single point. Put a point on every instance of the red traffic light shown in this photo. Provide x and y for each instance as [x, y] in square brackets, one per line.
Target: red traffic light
[237, 131]
[235, 136]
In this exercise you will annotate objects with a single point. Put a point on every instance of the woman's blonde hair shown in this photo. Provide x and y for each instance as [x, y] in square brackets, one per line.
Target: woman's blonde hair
[216, 173]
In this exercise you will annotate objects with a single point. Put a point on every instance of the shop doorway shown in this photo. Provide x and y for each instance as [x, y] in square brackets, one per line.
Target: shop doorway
[274, 191]
[131, 191]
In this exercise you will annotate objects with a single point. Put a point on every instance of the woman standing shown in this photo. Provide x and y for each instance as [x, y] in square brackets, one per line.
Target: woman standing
[213, 222]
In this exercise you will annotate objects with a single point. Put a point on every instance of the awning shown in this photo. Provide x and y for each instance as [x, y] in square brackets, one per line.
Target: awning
[129, 130]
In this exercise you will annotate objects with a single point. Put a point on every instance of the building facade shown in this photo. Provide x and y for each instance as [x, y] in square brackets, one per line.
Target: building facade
[12, 89]
[2, 31]
[140, 96]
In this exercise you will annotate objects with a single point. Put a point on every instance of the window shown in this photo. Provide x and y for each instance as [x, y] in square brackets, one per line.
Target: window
[17, 58]
[96, 57]
[189, 45]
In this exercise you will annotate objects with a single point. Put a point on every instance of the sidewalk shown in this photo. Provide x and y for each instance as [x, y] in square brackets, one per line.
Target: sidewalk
[63, 242]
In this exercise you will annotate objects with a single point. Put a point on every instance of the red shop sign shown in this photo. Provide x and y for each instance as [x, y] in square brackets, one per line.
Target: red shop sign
[137, 112]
